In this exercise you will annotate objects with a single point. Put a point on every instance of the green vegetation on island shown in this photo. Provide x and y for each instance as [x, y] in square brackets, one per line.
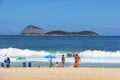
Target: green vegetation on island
[64, 33]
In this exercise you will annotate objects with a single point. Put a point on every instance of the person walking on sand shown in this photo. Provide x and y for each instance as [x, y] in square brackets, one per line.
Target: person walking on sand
[63, 60]
[77, 60]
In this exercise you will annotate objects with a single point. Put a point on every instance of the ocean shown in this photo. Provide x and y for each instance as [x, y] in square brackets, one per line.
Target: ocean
[95, 51]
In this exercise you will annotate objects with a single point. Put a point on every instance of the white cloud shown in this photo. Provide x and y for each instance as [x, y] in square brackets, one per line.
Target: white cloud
[112, 27]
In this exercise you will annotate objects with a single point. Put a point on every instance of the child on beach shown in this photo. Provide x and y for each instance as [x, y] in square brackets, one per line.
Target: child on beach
[56, 65]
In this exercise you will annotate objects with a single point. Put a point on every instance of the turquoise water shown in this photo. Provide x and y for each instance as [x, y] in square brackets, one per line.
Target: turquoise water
[94, 50]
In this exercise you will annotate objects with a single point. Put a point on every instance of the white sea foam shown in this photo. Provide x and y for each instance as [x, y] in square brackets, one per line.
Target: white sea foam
[95, 56]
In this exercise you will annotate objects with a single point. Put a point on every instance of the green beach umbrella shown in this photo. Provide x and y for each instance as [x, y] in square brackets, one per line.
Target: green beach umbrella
[21, 58]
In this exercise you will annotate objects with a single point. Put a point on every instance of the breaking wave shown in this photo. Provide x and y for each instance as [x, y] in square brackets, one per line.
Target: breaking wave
[95, 56]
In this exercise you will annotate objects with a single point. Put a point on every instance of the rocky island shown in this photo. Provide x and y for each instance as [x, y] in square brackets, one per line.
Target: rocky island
[31, 30]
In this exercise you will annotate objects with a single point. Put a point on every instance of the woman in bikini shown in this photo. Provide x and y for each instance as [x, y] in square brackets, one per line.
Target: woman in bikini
[77, 60]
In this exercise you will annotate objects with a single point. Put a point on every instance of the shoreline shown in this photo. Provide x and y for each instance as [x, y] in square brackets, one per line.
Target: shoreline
[67, 73]
[67, 64]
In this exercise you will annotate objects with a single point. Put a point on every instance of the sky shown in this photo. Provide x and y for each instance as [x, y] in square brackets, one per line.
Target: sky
[100, 16]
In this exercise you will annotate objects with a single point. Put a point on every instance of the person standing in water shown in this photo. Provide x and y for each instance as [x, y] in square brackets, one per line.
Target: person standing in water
[63, 60]
[77, 60]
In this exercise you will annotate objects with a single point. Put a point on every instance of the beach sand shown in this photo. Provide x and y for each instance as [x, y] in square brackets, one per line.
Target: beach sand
[68, 73]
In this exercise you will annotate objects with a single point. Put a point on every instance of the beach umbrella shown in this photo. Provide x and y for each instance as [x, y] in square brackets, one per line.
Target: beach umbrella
[50, 57]
[21, 59]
